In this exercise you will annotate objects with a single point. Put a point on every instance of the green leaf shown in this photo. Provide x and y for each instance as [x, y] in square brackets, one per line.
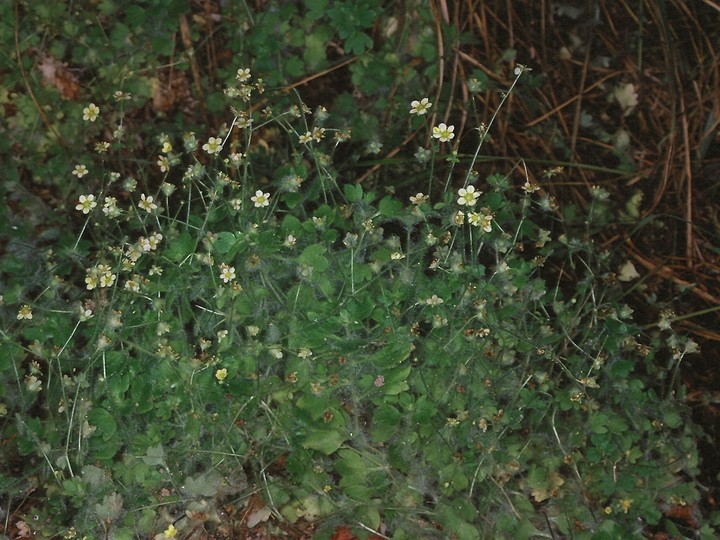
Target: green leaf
[462, 529]
[315, 45]
[180, 247]
[396, 380]
[386, 422]
[358, 309]
[393, 353]
[294, 67]
[135, 16]
[324, 440]
[425, 409]
[358, 43]
[353, 192]
[224, 243]
[598, 423]
[452, 478]
[370, 515]
[110, 508]
[291, 225]
[204, 484]
[313, 256]
[154, 455]
[390, 207]
[6, 358]
[316, 8]
[291, 200]
[118, 384]
[350, 464]
[119, 35]
[104, 450]
[103, 421]
[141, 394]
[671, 418]
[314, 405]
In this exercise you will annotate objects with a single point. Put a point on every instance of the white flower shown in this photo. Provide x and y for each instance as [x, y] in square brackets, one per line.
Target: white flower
[132, 285]
[227, 272]
[420, 107]
[102, 147]
[107, 278]
[418, 198]
[86, 203]
[468, 196]
[146, 203]
[33, 383]
[164, 163]
[91, 280]
[529, 187]
[423, 155]
[318, 133]
[484, 221]
[443, 132]
[91, 112]
[213, 146]
[260, 199]
[243, 74]
[25, 313]
[80, 171]
[243, 122]
[434, 300]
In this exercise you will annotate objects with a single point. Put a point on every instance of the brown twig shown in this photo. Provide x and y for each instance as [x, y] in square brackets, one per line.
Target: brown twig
[667, 273]
[187, 43]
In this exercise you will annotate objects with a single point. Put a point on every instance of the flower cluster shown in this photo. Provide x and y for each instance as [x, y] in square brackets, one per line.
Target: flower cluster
[100, 275]
[143, 245]
[481, 219]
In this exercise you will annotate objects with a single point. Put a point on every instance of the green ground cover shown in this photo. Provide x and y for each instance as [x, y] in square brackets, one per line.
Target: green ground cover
[225, 280]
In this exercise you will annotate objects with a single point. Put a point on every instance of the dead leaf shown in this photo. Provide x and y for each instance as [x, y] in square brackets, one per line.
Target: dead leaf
[257, 516]
[57, 74]
[163, 97]
[342, 533]
[23, 530]
[683, 514]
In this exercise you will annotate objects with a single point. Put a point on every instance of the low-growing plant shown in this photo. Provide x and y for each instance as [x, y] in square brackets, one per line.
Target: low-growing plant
[236, 319]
